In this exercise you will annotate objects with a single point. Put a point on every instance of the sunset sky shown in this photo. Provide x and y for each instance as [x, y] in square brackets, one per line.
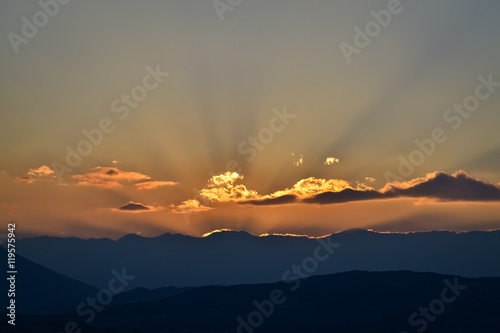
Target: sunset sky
[251, 118]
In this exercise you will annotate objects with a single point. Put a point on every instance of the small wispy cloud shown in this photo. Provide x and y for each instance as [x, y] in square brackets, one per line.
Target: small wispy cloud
[151, 185]
[331, 160]
[300, 160]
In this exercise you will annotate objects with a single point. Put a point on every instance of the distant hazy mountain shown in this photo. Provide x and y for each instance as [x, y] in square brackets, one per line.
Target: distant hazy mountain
[368, 302]
[226, 258]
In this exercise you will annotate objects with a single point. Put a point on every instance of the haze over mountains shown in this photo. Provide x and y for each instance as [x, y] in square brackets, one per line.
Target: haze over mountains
[228, 258]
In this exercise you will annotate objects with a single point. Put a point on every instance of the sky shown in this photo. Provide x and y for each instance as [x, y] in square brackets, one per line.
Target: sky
[188, 116]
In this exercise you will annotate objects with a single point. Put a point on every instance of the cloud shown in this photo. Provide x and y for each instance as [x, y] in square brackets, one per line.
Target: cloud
[189, 206]
[438, 186]
[267, 201]
[346, 195]
[331, 160]
[108, 178]
[444, 187]
[101, 177]
[222, 188]
[41, 173]
[151, 185]
[300, 161]
[134, 207]
[311, 186]
[370, 179]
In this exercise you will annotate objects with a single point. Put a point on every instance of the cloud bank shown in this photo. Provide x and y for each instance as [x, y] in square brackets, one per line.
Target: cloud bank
[438, 186]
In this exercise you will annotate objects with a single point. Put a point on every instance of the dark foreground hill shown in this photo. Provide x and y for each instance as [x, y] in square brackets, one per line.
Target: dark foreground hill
[227, 258]
[368, 302]
[42, 291]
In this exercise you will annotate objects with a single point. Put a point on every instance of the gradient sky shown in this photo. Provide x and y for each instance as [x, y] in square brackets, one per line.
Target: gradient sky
[225, 79]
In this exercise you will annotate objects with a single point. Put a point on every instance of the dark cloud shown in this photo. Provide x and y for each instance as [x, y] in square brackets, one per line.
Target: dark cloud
[437, 185]
[289, 198]
[346, 195]
[112, 172]
[134, 207]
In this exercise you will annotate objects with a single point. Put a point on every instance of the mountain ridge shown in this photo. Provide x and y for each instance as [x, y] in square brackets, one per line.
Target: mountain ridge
[227, 258]
[277, 234]
[324, 303]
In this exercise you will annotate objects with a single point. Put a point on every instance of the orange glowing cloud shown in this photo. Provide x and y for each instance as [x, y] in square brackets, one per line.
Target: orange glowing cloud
[331, 160]
[108, 178]
[391, 187]
[41, 173]
[438, 186]
[189, 206]
[300, 161]
[312, 186]
[221, 188]
[151, 185]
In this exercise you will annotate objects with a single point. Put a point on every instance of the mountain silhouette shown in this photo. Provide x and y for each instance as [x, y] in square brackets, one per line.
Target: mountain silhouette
[357, 301]
[144, 294]
[42, 291]
[226, 258]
